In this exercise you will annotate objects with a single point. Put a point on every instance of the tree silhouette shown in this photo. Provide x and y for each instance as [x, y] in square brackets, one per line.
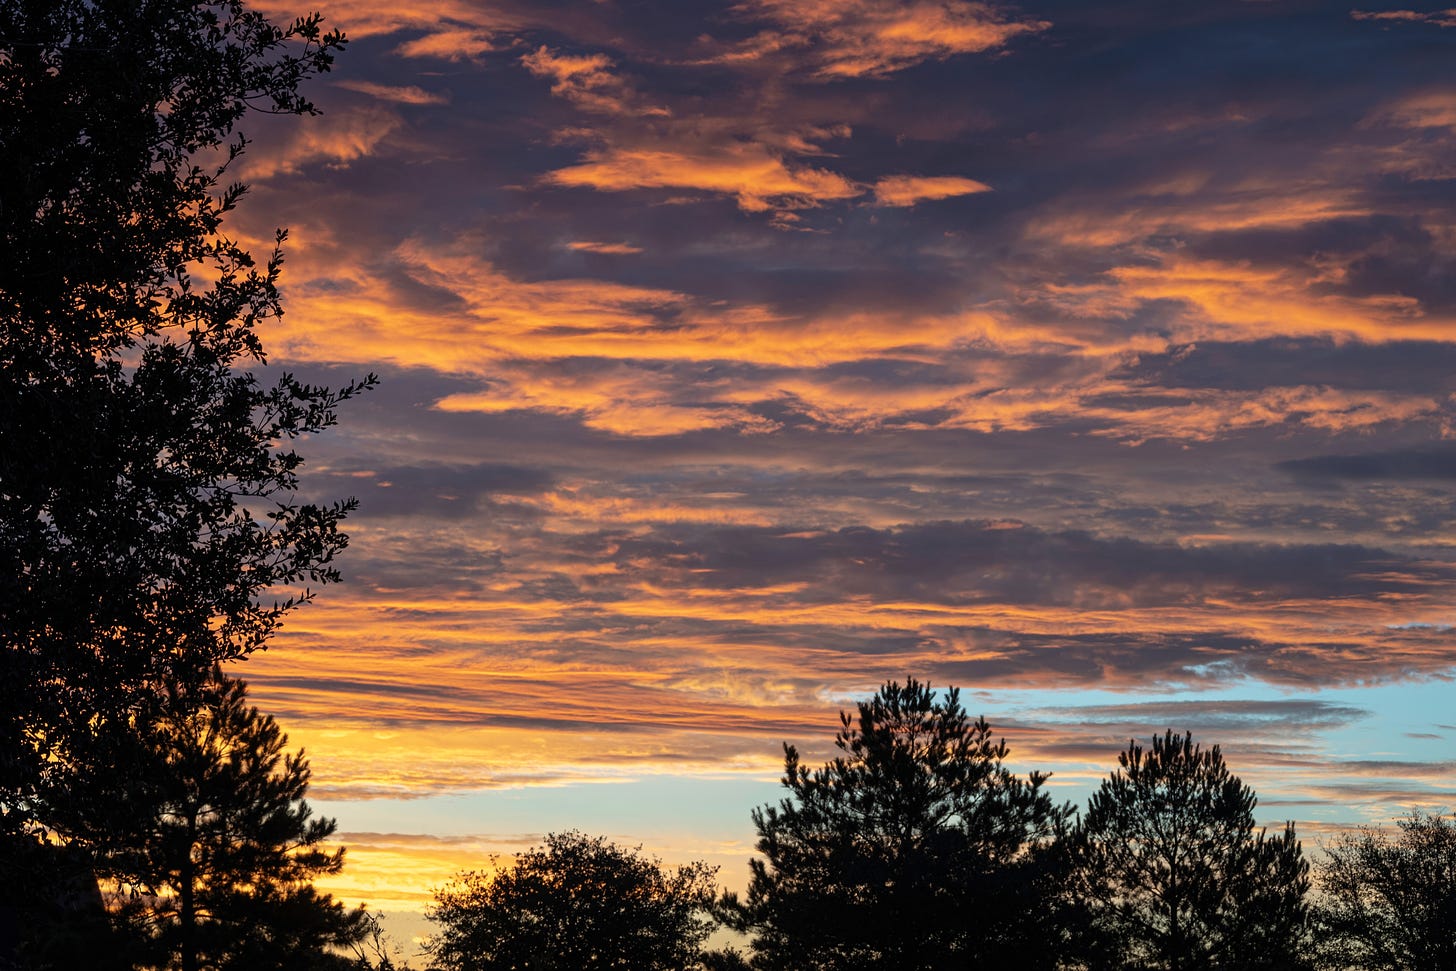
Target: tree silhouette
[195, 814]
[1173, 874]
[914, 849]
[147, 479]
[1391, 905]
[576, 903]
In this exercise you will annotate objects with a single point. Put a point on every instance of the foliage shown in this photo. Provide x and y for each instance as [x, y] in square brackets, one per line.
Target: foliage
[915, 848]
[52, 914]
[147, 480]
[1391, 904]
[196, 817]
[577, 903]
[1174, 876]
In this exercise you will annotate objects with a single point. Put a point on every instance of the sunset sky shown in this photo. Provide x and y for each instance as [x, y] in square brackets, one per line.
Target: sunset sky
[1098, 358]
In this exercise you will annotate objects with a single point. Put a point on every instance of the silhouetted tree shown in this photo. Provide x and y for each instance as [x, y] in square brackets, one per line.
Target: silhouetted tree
[1174, 875]
[914, 849]
[577, 903]
[146, 478]
[1390, 905]
[53, 916]
[195, 815]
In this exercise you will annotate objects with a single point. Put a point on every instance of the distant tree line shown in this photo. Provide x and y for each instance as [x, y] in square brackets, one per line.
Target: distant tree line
[916, 849]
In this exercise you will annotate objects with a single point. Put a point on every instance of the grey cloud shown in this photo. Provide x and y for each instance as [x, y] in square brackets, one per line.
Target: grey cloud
[442, 491]
[974, 562]
[1407, 366]
[1408, 464]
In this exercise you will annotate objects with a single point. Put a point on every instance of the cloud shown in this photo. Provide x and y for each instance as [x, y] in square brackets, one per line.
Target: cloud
[755, 177]
[876, 38]
[1428, 464]
[907, 190]
[1154, 440]
[452, 44]
[335, 139]
[1441, 18]
[587, 81]
[399, 94]
[594, 246]
[1428, 109]
[443, 491]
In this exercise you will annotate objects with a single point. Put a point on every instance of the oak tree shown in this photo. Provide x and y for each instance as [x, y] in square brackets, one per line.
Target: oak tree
[149, 523]
[1389, 903]
[575, 903]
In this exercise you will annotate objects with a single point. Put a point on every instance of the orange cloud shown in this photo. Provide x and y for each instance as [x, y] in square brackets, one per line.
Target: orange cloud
[407, 94]
[1235, 301]
[907, 190]
[585, 69]
[335, 138]
[1176, 206]
[873, 38]
[451, 44]
[452, 29]
[757, 178]
[591, 246]
[587, 81]
[1441, 18]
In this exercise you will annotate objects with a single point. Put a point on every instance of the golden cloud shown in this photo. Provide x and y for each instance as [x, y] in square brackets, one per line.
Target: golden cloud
[873, 38]
[1441, 18]
[593, 246]
[399, 94]
[586, 81]
[451, 44]
[907, 190]
[753, 175]
[334, 139]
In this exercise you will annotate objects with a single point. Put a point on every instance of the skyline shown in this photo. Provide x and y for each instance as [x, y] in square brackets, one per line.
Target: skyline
[737, 358]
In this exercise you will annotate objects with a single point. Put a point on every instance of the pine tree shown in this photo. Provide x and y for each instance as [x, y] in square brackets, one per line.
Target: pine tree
[1174, 875]
[194, 812]
[914, 849]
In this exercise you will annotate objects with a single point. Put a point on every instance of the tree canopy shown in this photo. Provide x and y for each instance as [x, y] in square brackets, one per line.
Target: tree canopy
[1173, 874]
[147, 479]
[1390, 904]
[149, 521]
[575, 903]
[912, 849]
[194, 813]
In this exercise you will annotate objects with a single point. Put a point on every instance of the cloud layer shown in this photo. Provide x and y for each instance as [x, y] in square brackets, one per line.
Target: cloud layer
[739, 356]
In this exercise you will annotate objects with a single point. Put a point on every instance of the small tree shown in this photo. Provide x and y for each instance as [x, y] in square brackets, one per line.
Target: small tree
[1173, 874]
[914, 849]
[578, 903]
[196, 819]
[1390, 905]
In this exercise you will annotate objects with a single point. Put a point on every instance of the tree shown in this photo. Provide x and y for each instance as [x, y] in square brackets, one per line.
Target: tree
[1174, 876]
[577, 903]
[196, 817]
[147, 479]
[914, 849]
[1391, 905]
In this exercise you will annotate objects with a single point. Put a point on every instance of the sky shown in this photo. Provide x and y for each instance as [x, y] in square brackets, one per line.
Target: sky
[1097, 358]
